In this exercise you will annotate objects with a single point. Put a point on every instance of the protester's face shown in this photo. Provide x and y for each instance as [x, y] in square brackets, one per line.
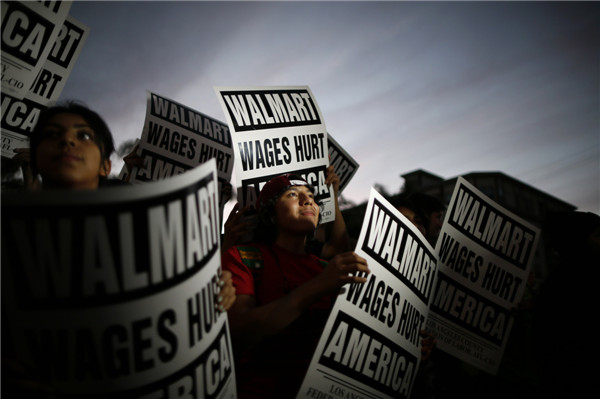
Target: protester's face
[68, 156]
[296, 210]
[414, 218]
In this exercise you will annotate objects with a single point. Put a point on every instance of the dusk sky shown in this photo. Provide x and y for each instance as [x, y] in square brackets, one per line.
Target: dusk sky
[448, 87]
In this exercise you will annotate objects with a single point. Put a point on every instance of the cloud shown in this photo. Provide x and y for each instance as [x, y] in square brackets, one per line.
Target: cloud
[451, 87]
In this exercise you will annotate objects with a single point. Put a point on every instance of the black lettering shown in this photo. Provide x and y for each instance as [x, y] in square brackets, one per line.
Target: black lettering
[411, 322]
[363, 354]
[246, 155]
[45, 84]
[500, 282]
[66, 44]
[141, 343]
[114, 341]
[49, 352]
[24, 33]
[165, 320]
[470, 310]
[499, 233]
[87, 359]
[19, 116]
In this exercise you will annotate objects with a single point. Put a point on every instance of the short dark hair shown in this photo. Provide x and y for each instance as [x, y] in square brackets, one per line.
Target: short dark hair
[102, 135]
[403, 200]
[266, 229]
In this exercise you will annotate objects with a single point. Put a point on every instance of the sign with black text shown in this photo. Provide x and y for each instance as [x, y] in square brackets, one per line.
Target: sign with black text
[343, 164]
[112, 292]
[177, 138]
[370, 347]
[29, 30]
[277, 130]
[19, 116]
[485, 254]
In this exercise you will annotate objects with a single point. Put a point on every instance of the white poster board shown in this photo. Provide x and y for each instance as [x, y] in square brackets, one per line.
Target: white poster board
[19, 116]
[485, 254]
[370, 347]
[29, 29]
[277, 130]
[112, 292]
[177, 138]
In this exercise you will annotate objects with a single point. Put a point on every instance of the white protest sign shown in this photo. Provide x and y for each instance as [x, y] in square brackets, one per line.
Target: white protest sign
[277, 130]
[53, 76]
[29, 29]
[112, 292]
[177, 138]
[19, 117]
[371, 345]
[343, 164]
[485, 254]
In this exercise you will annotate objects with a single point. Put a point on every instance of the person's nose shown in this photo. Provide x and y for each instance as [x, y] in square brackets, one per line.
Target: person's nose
[68, 138]
[306, 199]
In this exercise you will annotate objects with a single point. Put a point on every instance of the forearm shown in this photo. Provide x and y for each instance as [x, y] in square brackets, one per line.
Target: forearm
[250, 326]
[339, 240]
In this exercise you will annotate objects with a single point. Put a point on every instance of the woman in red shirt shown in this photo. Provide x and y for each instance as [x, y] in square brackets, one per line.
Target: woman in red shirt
[283, 293]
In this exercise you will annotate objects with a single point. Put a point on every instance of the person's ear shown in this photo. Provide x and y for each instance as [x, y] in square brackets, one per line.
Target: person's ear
[105, 168]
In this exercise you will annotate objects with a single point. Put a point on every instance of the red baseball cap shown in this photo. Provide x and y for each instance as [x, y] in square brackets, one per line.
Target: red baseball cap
[276, 185]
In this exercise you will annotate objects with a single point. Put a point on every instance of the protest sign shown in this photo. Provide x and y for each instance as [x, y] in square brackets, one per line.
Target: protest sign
[29, 29]
[277, 130]
[370, 346]
[19, 116]
[343, 164]
[112, 292]
[177, 138]
[53, 76]
[485, 254]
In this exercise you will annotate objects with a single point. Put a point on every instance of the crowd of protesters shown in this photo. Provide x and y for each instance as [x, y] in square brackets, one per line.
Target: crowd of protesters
[278, 288]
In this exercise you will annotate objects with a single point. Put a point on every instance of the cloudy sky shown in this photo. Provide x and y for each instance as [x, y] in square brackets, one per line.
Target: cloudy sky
[448, 87]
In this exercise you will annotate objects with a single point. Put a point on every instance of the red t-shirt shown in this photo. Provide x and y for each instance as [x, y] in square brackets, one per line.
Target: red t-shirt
[276, 367]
